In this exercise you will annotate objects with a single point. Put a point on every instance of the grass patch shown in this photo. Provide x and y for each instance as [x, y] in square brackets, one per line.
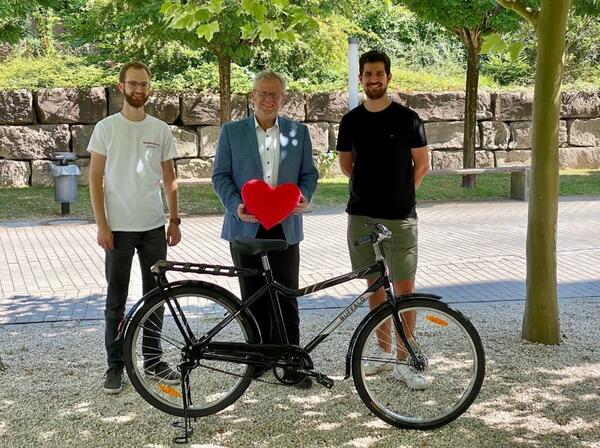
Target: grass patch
[37, 203]
[411, 80]
[580, 182]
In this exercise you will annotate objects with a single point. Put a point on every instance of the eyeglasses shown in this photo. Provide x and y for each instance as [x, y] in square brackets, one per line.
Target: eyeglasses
[135, 84]
[263, 94]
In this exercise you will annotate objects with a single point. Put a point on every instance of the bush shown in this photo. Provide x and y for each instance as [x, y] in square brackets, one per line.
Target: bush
[325, 162]
[506, 72]
[20, 72]
[206, 77]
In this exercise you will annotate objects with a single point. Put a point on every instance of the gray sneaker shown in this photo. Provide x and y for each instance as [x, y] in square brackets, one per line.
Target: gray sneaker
[113, 380]
[163, 373]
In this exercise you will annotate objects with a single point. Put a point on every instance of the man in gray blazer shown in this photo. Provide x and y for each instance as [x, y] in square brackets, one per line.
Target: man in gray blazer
[268, 147]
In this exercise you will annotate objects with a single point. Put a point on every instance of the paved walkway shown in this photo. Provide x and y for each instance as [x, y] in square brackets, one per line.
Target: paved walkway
[469, 252]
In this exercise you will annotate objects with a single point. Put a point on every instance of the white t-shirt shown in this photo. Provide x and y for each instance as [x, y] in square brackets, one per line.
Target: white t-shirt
[134, 152]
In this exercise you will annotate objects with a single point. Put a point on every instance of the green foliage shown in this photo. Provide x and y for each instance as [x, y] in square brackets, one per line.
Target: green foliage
[496, 44]
[506, 72]
[582, 52]
[91, 38]
[51, 71]
[12, 20]
[325, 162]
[485, 15]
[302, 61]
[588, 8]
[206, 77]
[405, 37]
[229, 27]
[13, 17]
[431, 80]
[124, 30]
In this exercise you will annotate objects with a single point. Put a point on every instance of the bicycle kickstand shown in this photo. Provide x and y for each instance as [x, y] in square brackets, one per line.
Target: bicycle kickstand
[186, 425]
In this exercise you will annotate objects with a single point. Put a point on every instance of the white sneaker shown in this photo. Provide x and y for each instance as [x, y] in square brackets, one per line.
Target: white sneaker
[374, 367]
[413, 380]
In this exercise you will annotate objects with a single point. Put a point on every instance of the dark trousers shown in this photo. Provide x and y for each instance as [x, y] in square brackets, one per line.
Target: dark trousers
[151, 246]
[286, 268]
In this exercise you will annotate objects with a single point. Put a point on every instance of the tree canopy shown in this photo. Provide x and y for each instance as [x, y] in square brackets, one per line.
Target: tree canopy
[231, 29]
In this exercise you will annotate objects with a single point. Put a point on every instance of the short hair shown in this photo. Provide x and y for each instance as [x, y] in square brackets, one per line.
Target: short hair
[133, 64]
[270, 75]
[374, 56]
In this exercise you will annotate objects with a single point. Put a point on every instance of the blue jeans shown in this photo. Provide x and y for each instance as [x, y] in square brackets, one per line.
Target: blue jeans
[151, 246]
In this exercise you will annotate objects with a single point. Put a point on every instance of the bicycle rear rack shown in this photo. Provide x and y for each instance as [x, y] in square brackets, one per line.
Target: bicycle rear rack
[201, 268]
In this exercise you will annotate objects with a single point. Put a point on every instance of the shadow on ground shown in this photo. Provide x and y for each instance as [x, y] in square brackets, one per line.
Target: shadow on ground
[533, 395]
[23, 309]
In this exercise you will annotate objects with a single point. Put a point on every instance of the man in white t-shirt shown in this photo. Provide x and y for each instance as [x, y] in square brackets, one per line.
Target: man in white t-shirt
[130, 153]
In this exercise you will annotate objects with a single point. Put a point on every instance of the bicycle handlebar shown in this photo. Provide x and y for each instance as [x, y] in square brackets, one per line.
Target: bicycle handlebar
[370, 238]
[381, 233]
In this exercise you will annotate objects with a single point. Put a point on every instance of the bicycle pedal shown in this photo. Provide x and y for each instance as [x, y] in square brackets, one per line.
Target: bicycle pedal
[324, 380]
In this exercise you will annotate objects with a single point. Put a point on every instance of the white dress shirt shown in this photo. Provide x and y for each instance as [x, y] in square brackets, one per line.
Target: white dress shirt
[268, 148]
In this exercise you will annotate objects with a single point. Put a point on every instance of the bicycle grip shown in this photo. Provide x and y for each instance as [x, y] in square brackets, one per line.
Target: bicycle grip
[370, 238]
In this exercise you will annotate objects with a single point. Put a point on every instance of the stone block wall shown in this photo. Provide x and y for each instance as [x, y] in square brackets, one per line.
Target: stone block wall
[34, 125]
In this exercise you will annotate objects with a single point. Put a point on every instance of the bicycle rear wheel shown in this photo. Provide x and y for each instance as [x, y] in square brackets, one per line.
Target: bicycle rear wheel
[214, 385]
[454, 365]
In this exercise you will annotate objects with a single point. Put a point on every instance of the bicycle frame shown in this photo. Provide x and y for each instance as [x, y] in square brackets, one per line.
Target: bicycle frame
[238, 352]
[368, 352]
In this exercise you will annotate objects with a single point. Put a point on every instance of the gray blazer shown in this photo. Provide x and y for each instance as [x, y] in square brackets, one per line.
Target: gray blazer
[237, 161]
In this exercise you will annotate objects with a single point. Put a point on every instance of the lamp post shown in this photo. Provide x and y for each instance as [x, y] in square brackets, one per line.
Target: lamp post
[352, 72]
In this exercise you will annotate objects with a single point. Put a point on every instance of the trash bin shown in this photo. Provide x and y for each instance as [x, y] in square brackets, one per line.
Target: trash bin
[65, 180]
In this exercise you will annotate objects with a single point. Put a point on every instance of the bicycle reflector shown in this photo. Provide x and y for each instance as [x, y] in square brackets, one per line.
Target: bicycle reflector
[169, 390]
[436, 320]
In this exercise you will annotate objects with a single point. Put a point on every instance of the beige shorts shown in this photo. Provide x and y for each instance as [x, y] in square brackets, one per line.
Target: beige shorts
[400, 251]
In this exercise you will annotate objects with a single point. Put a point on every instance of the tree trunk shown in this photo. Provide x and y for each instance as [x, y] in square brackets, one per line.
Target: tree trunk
[472, 41]
[540, 320]
[224, 86]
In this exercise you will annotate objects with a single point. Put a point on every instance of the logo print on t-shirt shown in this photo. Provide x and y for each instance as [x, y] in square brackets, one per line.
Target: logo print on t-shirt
[153, 144]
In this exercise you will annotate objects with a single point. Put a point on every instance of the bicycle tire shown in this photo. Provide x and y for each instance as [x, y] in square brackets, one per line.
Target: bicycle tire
[211, 389]
[455, 366]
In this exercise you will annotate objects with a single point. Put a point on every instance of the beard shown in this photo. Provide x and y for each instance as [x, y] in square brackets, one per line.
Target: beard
[374, 93]
[136, 101]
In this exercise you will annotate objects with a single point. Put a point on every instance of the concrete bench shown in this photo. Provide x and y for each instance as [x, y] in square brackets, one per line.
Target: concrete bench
[519, 179]
[195, 181]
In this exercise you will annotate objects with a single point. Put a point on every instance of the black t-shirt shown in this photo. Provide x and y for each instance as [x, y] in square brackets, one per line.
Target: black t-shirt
[382, 183]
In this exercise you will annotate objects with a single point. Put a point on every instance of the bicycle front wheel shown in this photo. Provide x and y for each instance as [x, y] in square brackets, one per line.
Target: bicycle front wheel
[153, 339]
[398, 393]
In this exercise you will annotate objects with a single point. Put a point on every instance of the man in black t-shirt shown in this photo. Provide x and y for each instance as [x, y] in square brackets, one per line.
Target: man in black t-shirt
[382, 148]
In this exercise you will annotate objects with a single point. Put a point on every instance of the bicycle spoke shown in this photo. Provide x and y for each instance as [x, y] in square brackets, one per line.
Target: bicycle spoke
[426, 391]
[212, 384]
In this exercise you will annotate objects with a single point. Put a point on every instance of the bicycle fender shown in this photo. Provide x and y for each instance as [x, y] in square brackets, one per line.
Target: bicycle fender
[358, 330]
[156, 292]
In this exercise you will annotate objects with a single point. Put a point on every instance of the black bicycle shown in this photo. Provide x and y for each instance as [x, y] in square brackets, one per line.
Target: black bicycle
[213, 340]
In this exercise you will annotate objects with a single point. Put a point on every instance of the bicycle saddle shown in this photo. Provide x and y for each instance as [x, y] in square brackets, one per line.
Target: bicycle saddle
[253, 246]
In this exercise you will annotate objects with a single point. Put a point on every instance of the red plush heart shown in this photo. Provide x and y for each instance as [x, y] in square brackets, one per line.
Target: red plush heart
[270, 205]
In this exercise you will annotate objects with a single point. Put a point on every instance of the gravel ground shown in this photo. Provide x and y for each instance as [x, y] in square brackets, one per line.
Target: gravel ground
[533, 395]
